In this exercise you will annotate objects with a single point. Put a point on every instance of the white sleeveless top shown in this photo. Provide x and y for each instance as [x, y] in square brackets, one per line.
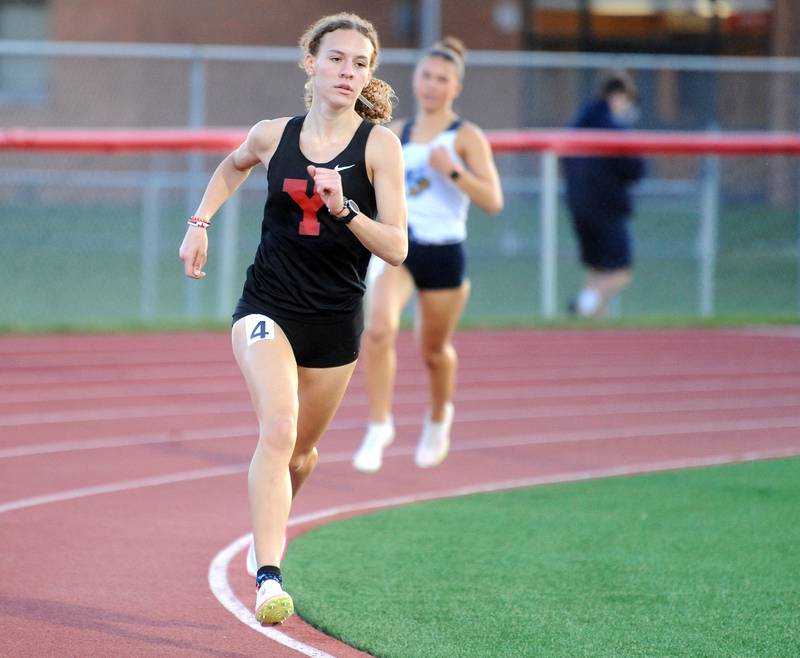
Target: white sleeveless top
[437, 208]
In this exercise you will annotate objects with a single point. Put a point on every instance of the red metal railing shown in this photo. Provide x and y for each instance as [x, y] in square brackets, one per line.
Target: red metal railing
[562, 142]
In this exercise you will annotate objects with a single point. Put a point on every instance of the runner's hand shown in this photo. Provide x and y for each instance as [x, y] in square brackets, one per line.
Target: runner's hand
[328, 184]
[440, 160]
[194, 251]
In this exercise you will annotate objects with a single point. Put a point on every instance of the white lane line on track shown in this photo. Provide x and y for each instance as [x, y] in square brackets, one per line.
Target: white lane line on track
[584, 410]
[128, 441]
[110, 359]
[493, 374]
[356, 397]
[218, 581]
[551, 411]
[123, 357]
[218, 570]
[121, 413]
[513, 441]
[124, 485]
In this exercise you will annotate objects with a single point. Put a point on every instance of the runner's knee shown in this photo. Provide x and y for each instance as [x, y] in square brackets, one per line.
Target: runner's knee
[278, 433]
[380, 336]
[436, 356]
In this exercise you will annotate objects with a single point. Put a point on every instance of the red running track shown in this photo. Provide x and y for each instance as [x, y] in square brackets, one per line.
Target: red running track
[122, 462]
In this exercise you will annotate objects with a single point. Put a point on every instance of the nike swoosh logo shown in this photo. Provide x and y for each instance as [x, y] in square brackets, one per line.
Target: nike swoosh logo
[337, 168]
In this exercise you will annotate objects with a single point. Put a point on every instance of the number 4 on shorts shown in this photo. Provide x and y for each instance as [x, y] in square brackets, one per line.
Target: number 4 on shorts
[259, 327]
[259, 331]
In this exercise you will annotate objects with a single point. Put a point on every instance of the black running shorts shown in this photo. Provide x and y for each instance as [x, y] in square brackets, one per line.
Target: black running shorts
[436, 266]
[317, 344]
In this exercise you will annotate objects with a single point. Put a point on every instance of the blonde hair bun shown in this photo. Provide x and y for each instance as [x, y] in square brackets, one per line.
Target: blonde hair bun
[455, 44]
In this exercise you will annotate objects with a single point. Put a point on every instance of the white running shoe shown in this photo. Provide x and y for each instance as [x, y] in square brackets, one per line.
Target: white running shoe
[369, 457]
[252, 563]
[273, 605]
[435, 440]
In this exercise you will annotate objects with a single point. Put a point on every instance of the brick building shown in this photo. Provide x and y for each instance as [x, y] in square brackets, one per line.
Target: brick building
[104, 92]
[760, 27]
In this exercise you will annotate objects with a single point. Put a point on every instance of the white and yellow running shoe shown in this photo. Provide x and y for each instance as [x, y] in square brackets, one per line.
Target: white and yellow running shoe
[273, 605]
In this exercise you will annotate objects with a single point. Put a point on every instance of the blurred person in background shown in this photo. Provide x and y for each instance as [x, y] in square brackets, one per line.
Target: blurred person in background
[598, 197]
[448, 164]
[297, 326]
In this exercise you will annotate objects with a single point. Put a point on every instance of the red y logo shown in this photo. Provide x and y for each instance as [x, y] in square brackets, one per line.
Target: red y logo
[296, 188]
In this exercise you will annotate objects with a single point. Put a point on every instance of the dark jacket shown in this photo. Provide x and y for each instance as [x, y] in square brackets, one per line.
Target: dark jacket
[597, 187]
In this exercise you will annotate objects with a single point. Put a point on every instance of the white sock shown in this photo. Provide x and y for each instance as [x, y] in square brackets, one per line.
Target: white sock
[588, 302]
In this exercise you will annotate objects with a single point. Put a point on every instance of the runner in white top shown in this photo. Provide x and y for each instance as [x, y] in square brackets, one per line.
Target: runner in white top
[437, 209]
[448, 164]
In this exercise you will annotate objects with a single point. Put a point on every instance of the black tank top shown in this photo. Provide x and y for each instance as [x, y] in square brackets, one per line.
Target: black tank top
[308, 265]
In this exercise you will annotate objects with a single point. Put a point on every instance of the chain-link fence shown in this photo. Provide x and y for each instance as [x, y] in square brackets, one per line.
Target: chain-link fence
[93, 238]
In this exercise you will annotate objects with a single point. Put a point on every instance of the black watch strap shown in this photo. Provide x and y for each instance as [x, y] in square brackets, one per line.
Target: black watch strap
[352, 211]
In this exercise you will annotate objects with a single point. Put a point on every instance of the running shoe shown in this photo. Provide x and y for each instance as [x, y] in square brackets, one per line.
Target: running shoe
[252, 563]
[369, 457]
[273, 605]
[435, 440]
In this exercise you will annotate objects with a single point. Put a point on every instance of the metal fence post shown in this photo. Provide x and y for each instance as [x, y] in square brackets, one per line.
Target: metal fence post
[195, 118]
[549, 239]
[227, 256]
[797, 238]
[707, 238]
[430, 22]
[150, 249]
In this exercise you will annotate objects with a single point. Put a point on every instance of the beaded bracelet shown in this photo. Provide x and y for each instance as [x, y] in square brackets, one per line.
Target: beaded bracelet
[198, 222]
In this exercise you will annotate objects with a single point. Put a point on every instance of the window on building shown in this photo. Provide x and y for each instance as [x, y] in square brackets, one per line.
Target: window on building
[23, 78]
[404, 22]
[660, 26]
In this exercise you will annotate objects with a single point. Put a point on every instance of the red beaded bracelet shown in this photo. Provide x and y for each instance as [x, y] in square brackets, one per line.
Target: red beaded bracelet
[199, 222]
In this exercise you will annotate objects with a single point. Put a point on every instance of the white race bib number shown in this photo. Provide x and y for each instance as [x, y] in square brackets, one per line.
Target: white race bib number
[259, 327]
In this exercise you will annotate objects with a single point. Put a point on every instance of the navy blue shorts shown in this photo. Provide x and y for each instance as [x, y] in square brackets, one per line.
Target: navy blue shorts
[316, 344]
[436, 266]
[604, 244]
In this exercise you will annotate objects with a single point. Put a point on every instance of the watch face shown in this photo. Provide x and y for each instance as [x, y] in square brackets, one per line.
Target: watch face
[352, 210]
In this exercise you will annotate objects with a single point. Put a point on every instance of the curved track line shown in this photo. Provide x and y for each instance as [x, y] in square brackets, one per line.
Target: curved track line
[218, 570]
[124, 485]
[218, 581]
[577, 436]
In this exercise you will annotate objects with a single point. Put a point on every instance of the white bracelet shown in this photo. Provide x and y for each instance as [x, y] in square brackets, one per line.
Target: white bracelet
[197, 221]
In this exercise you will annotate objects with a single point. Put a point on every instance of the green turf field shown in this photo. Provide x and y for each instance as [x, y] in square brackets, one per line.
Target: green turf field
[691, 563]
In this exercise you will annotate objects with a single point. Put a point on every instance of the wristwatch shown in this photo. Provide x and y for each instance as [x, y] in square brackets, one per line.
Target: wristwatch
[352, 211]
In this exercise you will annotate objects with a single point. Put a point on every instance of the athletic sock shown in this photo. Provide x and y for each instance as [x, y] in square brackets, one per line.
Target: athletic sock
[268, 572]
